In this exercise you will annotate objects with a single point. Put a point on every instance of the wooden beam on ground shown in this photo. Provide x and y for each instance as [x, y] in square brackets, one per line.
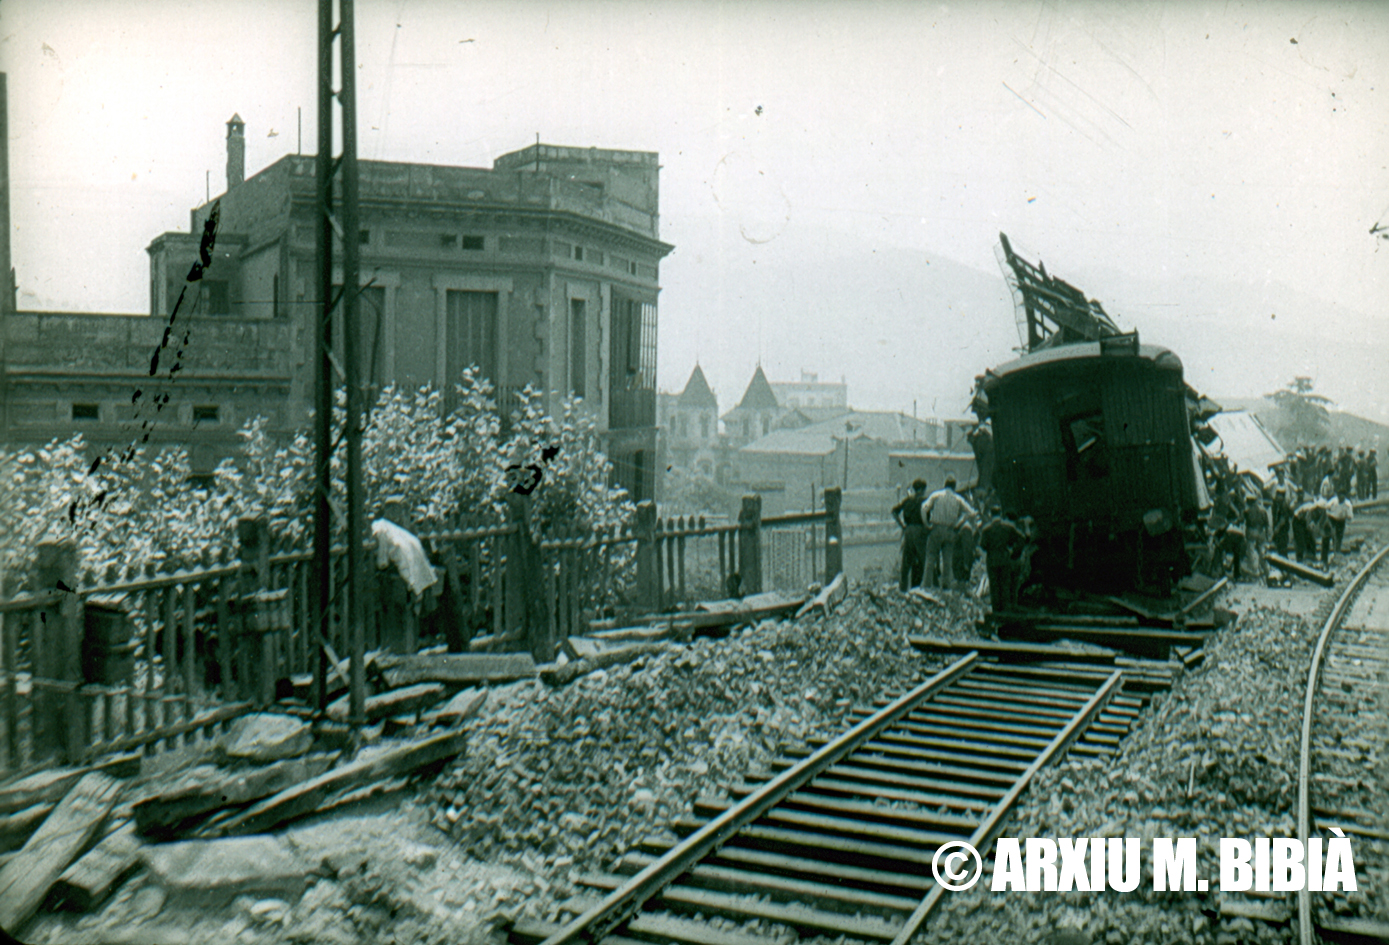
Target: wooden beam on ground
[165, 811]
[86, 883]
[50, 785]
[1153, 642]
[456, 669]
[306, 798]
[1301, 570]
[560, 675]
[1204, 596]
[1021, 652]
[26, 879]
[395, 702]
[822, 599]
[17, 828]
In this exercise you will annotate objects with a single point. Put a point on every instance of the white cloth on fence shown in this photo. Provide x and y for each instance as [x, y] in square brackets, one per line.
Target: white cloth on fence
[396, 545]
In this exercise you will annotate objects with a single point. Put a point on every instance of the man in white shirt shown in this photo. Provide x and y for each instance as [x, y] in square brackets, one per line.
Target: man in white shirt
[943, 512]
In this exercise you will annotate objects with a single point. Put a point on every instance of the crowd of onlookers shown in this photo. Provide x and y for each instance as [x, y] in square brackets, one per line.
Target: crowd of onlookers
[1305, 509]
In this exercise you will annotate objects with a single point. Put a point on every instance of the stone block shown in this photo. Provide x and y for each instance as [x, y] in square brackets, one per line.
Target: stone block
[263, 737]
[214, 872]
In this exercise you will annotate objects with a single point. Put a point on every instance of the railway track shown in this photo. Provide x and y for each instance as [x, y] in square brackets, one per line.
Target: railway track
[1344, 761]
[840, 839]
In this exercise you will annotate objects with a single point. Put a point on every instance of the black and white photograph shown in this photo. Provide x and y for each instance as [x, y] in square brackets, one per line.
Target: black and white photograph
[694, 472]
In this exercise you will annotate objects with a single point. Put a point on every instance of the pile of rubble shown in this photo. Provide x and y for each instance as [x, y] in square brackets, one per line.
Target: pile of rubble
[566, 779]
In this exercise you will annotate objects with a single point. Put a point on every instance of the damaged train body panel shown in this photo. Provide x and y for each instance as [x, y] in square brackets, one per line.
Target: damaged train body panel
[1090, 435]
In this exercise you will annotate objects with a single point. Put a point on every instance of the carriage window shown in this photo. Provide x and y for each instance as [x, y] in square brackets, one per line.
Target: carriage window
[1086, 456]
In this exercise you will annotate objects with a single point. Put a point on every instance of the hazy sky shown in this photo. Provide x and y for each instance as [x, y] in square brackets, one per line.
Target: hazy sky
[1211, 171]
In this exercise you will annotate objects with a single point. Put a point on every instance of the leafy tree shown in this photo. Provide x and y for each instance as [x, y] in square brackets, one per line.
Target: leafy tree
[1304, 419]
[130, 514]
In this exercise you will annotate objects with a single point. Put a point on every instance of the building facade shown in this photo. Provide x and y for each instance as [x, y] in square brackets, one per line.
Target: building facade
[542, 270]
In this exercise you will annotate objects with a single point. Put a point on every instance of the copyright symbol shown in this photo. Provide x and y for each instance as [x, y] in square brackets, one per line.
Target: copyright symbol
[948, 869]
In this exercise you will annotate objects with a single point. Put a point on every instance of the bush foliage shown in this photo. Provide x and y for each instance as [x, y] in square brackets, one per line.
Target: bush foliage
[449, 467]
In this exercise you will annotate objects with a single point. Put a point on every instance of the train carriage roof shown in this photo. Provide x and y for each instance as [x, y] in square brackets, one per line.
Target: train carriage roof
[1162, 358]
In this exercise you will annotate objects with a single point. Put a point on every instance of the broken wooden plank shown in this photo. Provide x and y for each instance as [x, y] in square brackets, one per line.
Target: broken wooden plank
[16, 828]
[86, 883]
[26, 879]
[822, 599]
[647, 633]
[559, 675]
[395, 702]
[50, 785]
[1204, 596]
[1146, 641]
[456, 669]
[306, 797]
[163, 813]
[457, 710]
[1301, 570]
[1012, 651]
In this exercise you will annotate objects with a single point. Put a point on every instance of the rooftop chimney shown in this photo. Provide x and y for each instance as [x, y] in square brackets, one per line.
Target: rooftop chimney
[236, 151]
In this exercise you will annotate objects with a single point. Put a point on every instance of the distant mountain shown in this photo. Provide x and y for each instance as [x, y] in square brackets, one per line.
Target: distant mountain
[903, 327]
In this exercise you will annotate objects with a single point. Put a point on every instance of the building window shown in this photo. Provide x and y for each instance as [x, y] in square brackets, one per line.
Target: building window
[215, 297]
[471, 335]
[364, 237]
[86, 412]
[578, 347]
[371, 316]
[704, 427]
[275, 296]
[473, 243]
[684, 427]
[632, 268]
[205, 414]
[448, 240]
[579, 253]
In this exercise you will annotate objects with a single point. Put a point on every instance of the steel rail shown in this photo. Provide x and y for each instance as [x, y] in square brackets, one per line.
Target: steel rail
[1306, 932]
[622, 903]
[987, 831]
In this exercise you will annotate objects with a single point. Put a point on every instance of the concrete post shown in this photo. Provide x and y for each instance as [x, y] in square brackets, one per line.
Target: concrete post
[750, 544]
[648, 574]
[256, 646]
[61, 718]
[834, 544]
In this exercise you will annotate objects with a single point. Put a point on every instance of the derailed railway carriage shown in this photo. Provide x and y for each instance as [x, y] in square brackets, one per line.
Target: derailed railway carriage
[1091, 437]
[1092, 440]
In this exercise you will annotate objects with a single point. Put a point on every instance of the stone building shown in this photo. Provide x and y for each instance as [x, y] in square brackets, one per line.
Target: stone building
[811, 392]
[755, 414]
[690, 424]
[541, 270]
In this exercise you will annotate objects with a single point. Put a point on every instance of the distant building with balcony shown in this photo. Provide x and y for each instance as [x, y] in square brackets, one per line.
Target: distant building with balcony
[811, 392]
[541, 270]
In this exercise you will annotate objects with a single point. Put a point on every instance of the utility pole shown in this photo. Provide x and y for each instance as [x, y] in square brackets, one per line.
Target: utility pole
[340, 220]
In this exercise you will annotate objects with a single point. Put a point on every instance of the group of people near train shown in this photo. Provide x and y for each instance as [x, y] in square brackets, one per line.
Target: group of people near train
[1305, 509]
[1354, 473]
[942, 532]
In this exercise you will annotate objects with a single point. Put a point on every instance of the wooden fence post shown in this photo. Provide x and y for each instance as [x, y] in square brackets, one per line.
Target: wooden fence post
[63, 720]
[834, 536]
[526, 598]
[750, 545]
[648, 563]
[258, 619]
